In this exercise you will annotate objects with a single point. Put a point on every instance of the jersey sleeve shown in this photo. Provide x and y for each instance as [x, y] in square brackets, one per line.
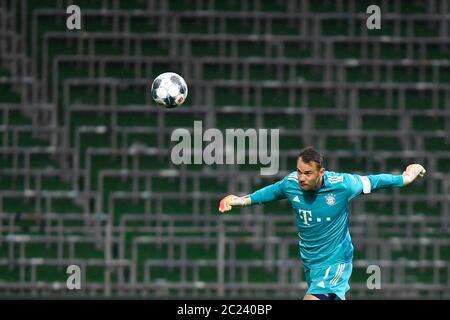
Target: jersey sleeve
[357, 184]
[269, 193]
[385, 180]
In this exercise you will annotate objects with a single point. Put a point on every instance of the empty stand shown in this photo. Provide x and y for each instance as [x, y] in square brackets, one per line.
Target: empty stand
[86, 176]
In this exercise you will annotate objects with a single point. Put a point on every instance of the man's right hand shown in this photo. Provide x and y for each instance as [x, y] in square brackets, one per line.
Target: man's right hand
[412, 172]
[232, 200]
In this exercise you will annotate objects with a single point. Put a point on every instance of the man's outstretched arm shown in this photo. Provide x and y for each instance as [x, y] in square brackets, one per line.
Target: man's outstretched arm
[266, 194]
[381, 181]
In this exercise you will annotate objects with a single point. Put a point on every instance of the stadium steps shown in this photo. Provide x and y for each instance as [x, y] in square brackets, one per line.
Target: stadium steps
[229, 95]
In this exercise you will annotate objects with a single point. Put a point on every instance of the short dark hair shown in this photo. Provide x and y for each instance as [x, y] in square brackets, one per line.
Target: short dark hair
[309, 154]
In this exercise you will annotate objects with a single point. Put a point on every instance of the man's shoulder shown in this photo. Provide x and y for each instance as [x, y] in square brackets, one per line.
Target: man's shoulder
[333, 178]
[292, 176]
[340, 179]
[290, 180]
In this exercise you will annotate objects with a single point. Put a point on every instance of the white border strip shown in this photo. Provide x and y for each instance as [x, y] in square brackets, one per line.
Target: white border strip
[366, 184]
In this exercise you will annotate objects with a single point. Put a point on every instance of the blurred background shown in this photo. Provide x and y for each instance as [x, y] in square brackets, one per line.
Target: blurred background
[86, 176]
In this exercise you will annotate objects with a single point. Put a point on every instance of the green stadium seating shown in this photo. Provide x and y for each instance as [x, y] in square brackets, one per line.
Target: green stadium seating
[373, 100]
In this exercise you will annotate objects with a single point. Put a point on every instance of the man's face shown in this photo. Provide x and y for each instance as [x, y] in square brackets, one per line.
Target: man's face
[309, 175]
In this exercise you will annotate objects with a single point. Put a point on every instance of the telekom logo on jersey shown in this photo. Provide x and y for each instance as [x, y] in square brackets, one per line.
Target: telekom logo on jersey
[307, 216]
[228, 148]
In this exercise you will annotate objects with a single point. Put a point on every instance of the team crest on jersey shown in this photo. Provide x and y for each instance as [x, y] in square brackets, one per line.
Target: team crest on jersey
[330, 199]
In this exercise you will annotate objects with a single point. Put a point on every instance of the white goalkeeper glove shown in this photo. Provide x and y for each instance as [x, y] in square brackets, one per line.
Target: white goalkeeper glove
[232, 200]
[412, 172]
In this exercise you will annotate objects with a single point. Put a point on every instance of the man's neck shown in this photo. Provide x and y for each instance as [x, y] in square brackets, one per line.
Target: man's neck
[319, 185]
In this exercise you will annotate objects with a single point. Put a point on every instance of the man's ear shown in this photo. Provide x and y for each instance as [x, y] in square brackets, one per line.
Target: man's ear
[322, 171]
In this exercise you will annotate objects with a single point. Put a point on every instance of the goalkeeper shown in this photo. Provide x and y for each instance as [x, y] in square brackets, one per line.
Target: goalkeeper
[320, 200]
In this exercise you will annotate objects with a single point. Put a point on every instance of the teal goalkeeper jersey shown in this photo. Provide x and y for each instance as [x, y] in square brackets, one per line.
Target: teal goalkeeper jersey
[322, 216]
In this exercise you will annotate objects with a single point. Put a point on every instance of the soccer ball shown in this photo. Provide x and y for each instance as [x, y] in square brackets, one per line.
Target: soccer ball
[169, 89]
